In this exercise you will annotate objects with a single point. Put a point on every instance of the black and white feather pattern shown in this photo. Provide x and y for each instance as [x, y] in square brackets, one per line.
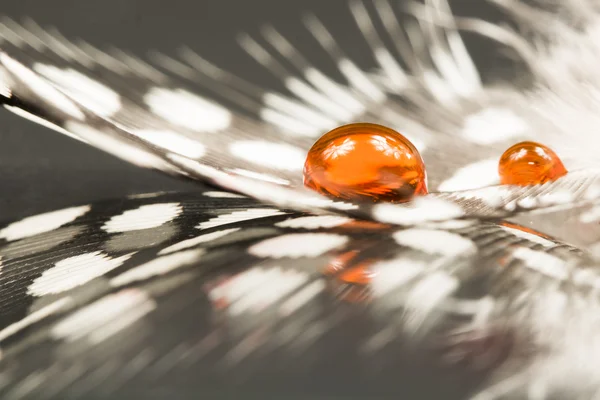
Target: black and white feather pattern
[195, 119]
[125, 298]
[488, 291]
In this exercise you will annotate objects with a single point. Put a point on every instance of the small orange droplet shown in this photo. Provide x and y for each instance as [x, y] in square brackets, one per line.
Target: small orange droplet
[365, 161]
[529, 163]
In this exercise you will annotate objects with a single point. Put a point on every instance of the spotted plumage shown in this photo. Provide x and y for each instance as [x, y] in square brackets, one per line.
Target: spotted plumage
[180, 282]
[262, 288]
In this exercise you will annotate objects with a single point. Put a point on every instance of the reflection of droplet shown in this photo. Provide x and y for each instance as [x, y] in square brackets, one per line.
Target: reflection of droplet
[360, 275]
[364, 226]
[529, 163]
[349, 277]
[525, 229]
[365, 161]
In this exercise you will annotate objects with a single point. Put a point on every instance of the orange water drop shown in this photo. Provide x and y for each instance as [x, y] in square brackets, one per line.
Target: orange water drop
[365, 161]
[530, 163]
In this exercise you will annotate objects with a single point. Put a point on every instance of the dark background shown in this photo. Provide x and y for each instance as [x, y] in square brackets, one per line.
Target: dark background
[41, 170]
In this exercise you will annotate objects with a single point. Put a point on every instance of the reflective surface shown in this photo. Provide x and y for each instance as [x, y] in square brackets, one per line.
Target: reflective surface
[215, 295]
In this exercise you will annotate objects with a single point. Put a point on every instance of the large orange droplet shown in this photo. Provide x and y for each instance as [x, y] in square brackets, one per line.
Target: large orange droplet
[529, 163]
[365, 161]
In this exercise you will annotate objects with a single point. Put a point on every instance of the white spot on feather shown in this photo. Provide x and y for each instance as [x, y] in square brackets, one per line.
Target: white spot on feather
[37, 224]
[543, 263]
[592, 192]
[186, 244]
[426, 296]
[360, 81]
[298, 245]
[349, 105]
[105, 318]
[493, 125]
[473, 176]
[436, 242]
[145, 195]
[119, 147]
[390, 275]
[145, 217]
[42, 88]
[590, 216]
[239, 216]
[314, 201]
[450, 224]
[556, 198]
[418, 211]
[274, 284]
[173, 142]
[315, 222]
[317, 100]
[492, 196]
[260, 177]
[223, 195]
[188, 110]
[158, 266]
[74, 271]
[5, 83]
[527, 202]
[98, 98]
[288, 124]
[272, 155]
[298, 111]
